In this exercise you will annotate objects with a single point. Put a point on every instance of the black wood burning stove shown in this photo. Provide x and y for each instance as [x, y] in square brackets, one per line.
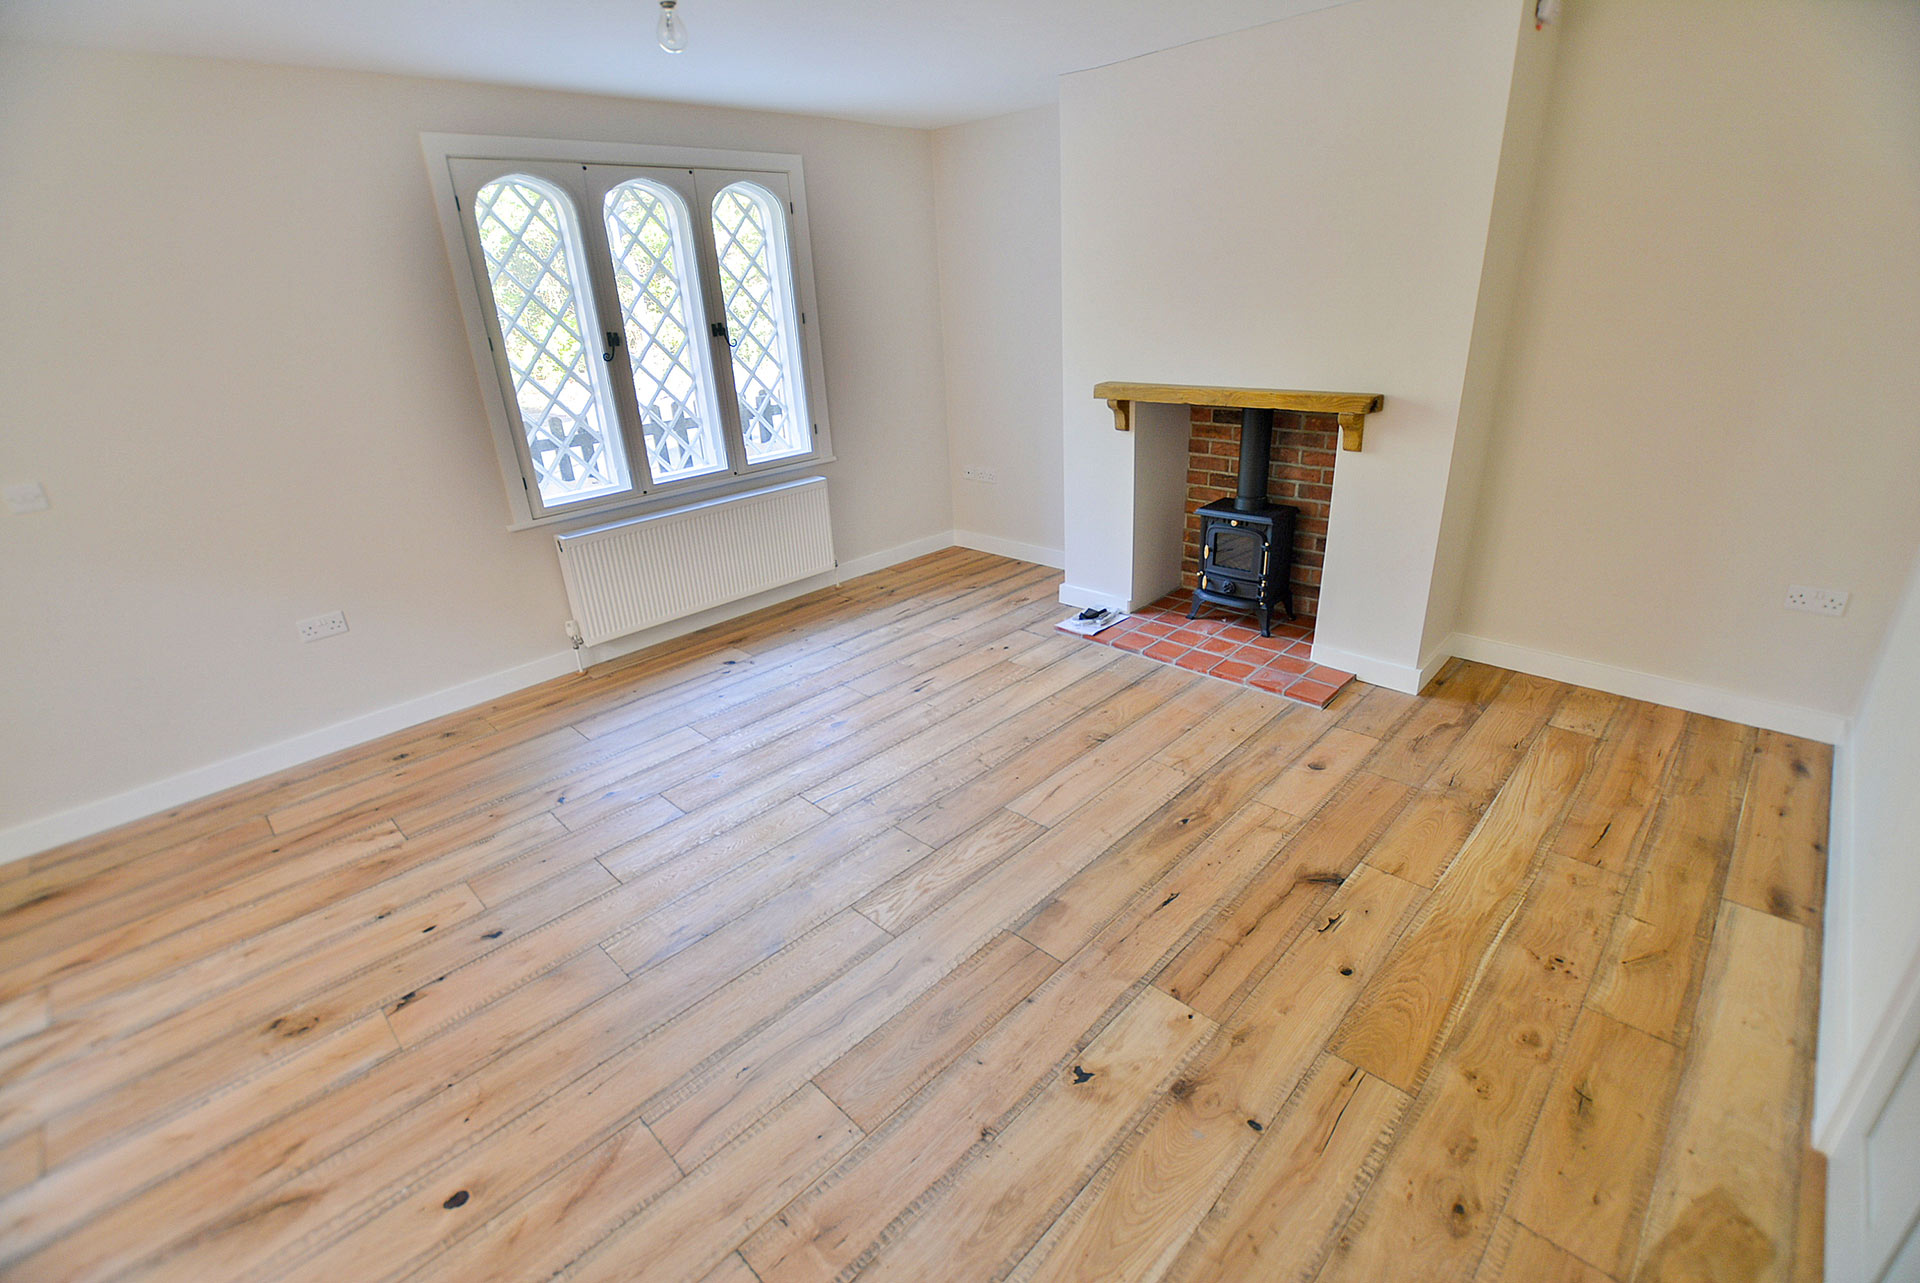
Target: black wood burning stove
[1246, 543]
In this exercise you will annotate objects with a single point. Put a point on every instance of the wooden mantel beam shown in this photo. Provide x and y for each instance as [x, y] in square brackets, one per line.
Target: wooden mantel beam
[1351, 407]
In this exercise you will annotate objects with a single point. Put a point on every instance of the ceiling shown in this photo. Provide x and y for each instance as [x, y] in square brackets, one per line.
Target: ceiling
[923, 63]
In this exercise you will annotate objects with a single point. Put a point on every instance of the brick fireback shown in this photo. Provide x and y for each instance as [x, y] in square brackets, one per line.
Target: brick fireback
[1300, 476]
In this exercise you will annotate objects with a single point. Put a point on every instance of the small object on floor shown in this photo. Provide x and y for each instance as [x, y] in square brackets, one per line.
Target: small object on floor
[1092, 620]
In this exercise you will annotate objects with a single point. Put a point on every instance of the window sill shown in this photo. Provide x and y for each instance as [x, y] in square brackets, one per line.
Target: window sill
[703, 488]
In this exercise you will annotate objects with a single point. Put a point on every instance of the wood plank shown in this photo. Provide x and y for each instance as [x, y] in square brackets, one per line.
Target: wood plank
[1587, 712]
[1311, 778]
[895, 1060]
[1611, 810]
[1134, 1217]
[911, 895]
[251, 1168]
[687, 1231]
[1253, 929]
[78, 1190]
[92, 1055]
[1425, 837]
[212, 956]
[1401, 1021]
[1058, 796]
[992, 1208]
[965, 806]
[19, 1162]
[696, 1120]
[1301, 1177]
[40, 958]
[568, 1213]
[1780, 856]
[1484, 756]
[1441, 1187]
[1071, 916]
[1726, 1201]
[1377, 711]
[833, 1223]
[1589, 1172]
[1521, 1256]
[1256, 398]
[1654, 966]
[1450, 704]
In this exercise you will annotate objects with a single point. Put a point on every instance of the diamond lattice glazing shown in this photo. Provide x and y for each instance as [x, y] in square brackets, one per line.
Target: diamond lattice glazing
[758, 322]
[641, 226]
[525, 233]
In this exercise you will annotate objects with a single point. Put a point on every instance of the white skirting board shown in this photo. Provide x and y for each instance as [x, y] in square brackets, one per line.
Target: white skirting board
[42, 832]
[1013, 548]
[1734, 706]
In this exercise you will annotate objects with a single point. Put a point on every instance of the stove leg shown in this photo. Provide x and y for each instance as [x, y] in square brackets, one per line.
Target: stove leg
[1195, 608]
[1266, 621]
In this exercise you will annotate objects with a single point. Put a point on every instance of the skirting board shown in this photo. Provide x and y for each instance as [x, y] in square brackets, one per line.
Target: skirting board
[1753, 710]
[1074, 595]
[1012, 548]
[44, 832]
[1379, 672]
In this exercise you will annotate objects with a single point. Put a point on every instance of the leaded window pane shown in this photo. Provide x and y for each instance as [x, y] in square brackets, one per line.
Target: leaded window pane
[755, 296]
[647, 234]
[528, 236]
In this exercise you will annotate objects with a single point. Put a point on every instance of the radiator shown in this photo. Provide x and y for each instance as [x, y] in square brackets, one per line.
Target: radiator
[635, 574]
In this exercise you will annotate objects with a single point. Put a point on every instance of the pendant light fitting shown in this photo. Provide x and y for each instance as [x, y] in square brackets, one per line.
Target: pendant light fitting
[671, 30]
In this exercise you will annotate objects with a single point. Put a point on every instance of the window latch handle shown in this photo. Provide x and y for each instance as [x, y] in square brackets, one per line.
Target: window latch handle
[613, 341]
[719, 331]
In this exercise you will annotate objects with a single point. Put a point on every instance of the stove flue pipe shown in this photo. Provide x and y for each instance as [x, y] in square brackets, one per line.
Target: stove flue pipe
[1256, 448]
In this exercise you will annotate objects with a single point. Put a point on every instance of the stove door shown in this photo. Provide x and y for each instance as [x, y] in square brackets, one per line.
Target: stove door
[1233, 560]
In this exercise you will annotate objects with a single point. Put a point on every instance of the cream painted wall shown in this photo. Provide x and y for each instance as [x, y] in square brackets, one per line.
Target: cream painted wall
[997, 196]
[1306, 204]
[231, 353]
[1711, 387]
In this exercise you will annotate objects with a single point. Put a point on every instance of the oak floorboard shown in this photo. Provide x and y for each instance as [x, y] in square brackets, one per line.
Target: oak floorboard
[889, 932]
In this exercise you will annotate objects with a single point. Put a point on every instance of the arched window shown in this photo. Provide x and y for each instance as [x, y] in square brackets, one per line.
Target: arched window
[651, 246]
[756, 293]
[535, 269]
[641, 329]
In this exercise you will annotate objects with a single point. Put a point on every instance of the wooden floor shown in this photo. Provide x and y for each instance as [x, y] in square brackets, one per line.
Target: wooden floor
[893, 934]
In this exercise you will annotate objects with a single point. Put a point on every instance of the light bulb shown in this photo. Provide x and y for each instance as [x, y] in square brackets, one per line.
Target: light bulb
[671, 31]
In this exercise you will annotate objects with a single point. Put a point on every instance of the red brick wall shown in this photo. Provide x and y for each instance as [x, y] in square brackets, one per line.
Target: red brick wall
[1300, 476]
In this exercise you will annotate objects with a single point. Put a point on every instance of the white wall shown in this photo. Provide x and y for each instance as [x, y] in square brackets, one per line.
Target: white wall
[1872, 939]
[232, 354]
[1715, 363]
[1870, 970]
[1306, 204]
[997, 202]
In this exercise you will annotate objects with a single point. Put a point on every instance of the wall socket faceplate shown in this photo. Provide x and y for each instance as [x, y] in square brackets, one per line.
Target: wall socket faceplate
[323, 626]
[1816, 601]
[985, 476]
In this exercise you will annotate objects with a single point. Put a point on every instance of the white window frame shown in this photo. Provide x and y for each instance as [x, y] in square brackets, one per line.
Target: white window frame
[523, 508]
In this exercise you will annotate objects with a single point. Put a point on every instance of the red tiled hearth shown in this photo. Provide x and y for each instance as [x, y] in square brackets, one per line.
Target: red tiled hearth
[1223, 644]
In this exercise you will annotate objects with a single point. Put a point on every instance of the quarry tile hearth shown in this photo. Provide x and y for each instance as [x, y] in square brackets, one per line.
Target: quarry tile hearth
[1225, 644]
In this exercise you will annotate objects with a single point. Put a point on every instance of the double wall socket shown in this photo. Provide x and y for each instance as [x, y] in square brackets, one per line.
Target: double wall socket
[985, 476]
[1816, 601]
[323, 626]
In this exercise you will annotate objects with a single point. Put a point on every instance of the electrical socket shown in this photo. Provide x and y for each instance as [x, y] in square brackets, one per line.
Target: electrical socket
[323, 626]
[985, 476]
[1816, 601]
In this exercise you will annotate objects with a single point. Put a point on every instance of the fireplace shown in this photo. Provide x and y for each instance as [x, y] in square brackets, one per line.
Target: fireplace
[1245, 550]
[1264, 541]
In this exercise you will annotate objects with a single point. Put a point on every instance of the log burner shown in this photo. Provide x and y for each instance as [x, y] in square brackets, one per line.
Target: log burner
[1246, 543]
